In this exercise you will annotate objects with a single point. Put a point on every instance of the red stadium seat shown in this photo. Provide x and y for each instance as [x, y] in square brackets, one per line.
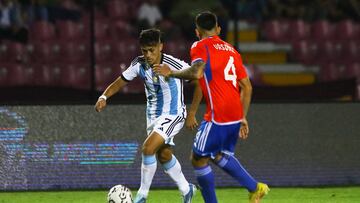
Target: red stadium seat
[322, 30]
[125, 51]
[346, 30]
[44, 52]
[353, 70]
[77, 76]
[121, 30]
[3, 52]
[42, 31]
[74, 52]
[134, 87]
[118, 9]
[275, 30]
[11, 74]
[298, 30]
[103, 51]
[328, 51]
[48, 75]
[105, 74]
[17, 52]
[304, 51]
[331, 72]
[350, 51]
[70, 30]
[178, 49]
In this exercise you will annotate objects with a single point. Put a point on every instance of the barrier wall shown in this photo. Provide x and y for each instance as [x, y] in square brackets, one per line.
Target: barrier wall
[74, 147]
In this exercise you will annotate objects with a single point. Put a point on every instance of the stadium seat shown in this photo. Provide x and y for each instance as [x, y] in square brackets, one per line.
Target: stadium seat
[42, 31]
[11, 74]
[179, 49]
[16, 52]
[77, 76]
[125, 51]
[328, 51]
[70, 30]
[275, 30]
[103, 51]
[298, 30]
[350, 51]
[322, 30]
[74, 52]
[44, 52]
[304, 51]
[353, 70]
[118, 9]
[3, 52]
[48, 75]
[331, 72]
[134, 87]
[346, 30]
[105, 74]
[121, 30]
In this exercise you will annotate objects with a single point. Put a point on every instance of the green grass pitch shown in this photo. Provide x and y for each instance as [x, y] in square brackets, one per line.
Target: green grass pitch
[229, 195]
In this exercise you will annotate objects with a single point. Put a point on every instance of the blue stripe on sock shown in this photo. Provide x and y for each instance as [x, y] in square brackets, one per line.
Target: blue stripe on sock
[203, 170]
[148, 159]
[223, 161]
[170, 163]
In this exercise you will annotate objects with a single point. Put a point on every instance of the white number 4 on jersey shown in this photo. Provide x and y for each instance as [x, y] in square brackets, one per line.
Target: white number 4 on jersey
[229, 71]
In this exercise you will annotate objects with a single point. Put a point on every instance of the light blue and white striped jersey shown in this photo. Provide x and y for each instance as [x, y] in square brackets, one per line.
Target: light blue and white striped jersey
[164, 97]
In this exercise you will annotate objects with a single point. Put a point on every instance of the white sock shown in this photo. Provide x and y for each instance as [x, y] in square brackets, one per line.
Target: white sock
[173, 169]
[148, 169]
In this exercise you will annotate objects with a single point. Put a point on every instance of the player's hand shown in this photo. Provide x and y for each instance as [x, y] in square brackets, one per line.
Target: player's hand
[191, 122]
[100, 104]
[162, 69]
[244, 129]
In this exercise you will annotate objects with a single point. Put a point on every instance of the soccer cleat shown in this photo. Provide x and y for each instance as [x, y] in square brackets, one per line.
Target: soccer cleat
[261, 190]
[139, 199]
[188, 197]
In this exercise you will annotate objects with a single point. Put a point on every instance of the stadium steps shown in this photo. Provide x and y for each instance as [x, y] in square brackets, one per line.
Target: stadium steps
[270, 59]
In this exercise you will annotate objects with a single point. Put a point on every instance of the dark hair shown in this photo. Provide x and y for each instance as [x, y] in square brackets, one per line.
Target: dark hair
[206, 20]
[150, 37]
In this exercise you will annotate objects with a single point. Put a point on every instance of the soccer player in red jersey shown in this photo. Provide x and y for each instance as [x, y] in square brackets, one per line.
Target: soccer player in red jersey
[227, 91]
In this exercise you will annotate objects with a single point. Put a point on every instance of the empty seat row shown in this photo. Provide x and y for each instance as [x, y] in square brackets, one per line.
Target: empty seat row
[318, 52]
[77, 76]
[71, 30]
[293, 30]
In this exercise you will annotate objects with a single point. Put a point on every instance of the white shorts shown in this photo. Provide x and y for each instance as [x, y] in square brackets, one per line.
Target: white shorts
[167, 126]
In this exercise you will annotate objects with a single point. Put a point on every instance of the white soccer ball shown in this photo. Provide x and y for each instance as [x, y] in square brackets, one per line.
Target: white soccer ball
[119, 194]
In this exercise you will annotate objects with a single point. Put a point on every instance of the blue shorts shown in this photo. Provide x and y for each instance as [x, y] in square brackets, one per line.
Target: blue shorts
[212, 139]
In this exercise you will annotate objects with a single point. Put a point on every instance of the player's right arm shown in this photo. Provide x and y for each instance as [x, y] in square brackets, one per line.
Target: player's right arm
[112, 89]
[191, 121]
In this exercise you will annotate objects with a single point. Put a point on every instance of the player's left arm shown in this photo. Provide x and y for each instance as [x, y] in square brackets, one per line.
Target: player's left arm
[246, 93]
[195, 71]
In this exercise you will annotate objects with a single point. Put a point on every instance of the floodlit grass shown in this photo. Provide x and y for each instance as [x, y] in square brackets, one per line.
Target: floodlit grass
[276, 195]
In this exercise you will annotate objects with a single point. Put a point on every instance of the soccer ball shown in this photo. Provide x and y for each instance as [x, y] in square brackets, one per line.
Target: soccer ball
[119, 194]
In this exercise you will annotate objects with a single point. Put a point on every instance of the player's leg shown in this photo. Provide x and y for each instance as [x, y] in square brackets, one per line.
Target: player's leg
[173, 168]
[149, 164]
[234, 168]
[231, 165]
[168, 127]
[205, 178]
[204, 145]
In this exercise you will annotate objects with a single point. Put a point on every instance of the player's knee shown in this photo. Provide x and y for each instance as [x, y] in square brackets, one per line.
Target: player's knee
[164, 155]
[148, 150]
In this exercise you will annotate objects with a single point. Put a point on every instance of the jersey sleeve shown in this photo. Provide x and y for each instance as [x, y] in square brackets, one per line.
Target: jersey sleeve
[130, 73]
[198, 53]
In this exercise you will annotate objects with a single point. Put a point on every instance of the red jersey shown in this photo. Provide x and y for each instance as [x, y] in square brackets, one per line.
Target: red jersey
[220, 84]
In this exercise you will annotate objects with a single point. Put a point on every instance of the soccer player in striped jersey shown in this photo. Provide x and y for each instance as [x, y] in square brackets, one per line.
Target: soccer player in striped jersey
[227, 91]
[165, 112]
